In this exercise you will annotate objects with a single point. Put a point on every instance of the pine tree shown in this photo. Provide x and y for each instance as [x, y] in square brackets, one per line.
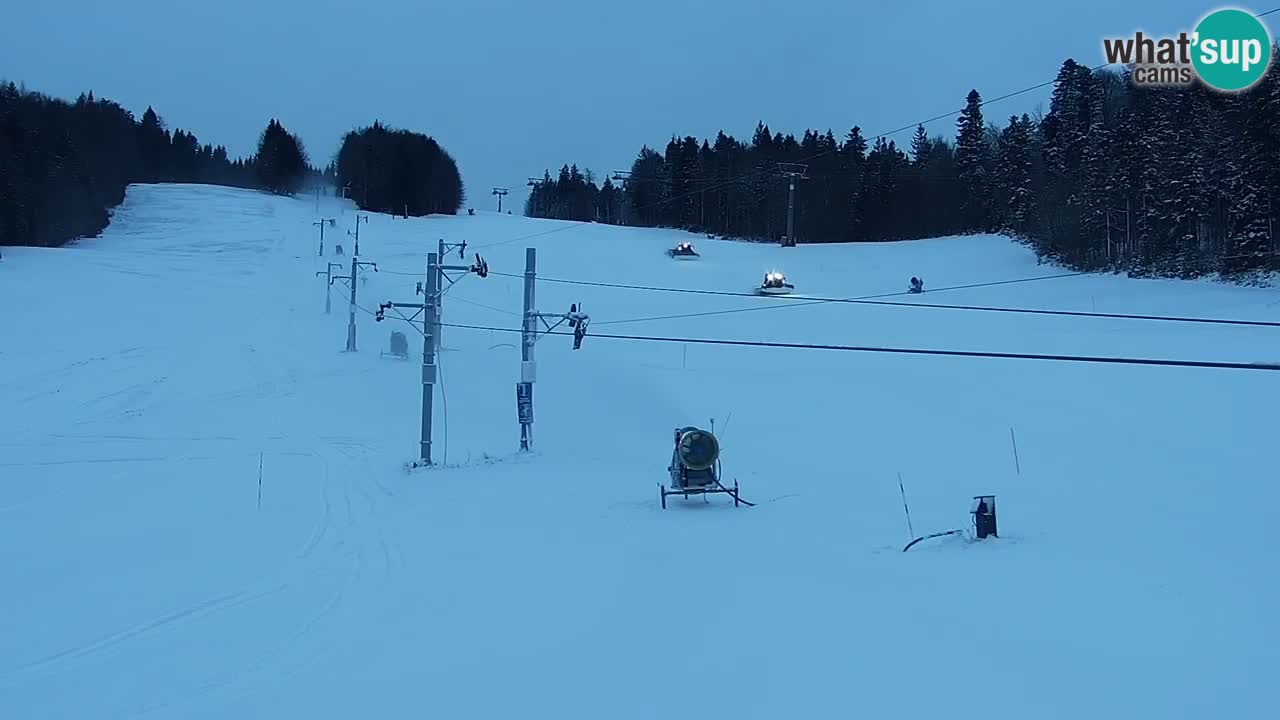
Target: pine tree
[1066, 127]
[153, 144]
[920, 146]
[1148, 138]
[724, 153]
[853, 157]
[1185, 182]
[1249, 202]
[608, 207]
[281, 161]
[1014, 174]
[760, 208]
[971, 164]
[1097, 190]
[1065, 132]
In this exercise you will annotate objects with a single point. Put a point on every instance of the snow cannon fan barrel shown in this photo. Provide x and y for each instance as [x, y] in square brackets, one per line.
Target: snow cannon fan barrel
[698, 449]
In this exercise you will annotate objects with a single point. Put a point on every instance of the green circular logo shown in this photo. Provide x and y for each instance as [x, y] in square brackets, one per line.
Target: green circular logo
[1232, 49]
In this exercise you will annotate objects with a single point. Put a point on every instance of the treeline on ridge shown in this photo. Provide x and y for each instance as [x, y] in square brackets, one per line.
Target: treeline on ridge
[65, 165]
[1165, 181]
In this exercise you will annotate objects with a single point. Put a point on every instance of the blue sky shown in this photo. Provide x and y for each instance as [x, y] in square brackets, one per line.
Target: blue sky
[513, 88]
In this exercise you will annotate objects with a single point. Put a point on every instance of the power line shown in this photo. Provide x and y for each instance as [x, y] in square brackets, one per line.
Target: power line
[571, 224]
[624, 286]
[803, 303]
[1114, 360]
[486, 307]
[937, 306]
[1072, 313]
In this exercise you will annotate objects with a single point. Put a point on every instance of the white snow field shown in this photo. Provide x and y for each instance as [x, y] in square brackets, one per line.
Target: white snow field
[144, 373]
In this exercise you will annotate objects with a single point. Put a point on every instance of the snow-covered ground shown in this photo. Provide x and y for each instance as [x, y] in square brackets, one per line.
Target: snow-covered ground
[144, 374]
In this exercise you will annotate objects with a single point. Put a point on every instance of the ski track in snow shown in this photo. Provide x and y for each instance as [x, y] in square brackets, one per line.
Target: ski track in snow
[226, 601]
[1131, 579]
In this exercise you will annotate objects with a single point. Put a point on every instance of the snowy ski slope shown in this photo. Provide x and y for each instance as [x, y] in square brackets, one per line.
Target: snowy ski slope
[143, 374]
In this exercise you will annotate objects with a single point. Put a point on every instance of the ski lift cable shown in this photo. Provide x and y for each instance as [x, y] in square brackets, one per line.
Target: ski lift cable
[1104, 359]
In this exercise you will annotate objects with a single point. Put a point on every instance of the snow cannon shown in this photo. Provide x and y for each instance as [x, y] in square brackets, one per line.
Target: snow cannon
[683, 251]
[695, 466]
[775, 283]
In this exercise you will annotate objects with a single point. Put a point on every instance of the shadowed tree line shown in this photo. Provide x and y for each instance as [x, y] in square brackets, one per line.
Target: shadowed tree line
[1153, 181]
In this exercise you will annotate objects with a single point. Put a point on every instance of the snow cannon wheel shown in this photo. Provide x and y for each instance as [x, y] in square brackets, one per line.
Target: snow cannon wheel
[664, 495]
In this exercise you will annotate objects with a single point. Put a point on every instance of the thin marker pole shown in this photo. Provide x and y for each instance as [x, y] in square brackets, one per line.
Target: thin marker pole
[904, 506]
[1017, 466]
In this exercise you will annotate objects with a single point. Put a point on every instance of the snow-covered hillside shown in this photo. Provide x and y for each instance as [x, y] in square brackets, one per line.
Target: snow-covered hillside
[144, 374]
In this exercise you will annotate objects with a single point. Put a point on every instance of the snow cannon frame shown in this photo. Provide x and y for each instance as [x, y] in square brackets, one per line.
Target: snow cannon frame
[695, 467]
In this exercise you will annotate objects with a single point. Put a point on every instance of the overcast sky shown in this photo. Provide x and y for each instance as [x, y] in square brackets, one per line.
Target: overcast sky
[513, 88]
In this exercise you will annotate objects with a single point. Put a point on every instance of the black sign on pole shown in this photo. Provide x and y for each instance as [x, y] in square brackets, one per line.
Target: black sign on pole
[524, 402]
